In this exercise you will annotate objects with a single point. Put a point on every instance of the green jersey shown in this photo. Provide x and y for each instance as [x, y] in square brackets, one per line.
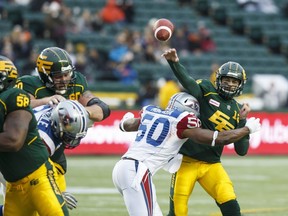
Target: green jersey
[216, 113]
[34, 86]
[16, 165]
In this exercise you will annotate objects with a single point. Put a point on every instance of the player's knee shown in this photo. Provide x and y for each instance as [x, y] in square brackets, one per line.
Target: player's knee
[230, 208]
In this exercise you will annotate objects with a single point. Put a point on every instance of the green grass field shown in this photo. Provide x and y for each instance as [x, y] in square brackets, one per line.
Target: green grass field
[260, 183]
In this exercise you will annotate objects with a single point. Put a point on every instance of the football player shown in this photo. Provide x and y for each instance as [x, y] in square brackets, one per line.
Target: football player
[65, 124]
[24, 160]
[58, 80]
[160, 135]
[220, 112]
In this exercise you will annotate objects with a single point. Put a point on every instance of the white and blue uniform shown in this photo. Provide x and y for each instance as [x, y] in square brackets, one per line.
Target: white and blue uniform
[156, 146]
[43, 114]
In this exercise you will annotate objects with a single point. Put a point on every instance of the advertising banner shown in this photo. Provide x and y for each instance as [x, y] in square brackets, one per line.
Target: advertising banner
[105, 138]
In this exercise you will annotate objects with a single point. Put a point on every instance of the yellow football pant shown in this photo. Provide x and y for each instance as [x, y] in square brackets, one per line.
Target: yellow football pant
[37, 192]
[212, 177]
[60, 177]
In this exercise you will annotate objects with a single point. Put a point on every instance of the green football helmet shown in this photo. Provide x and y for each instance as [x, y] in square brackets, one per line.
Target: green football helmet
[55, 62]
[8, 73]
[234, 70]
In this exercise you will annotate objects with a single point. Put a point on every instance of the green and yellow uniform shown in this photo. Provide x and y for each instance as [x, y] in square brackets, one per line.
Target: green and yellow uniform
[34, 86]
[202, 162]
[29, 172]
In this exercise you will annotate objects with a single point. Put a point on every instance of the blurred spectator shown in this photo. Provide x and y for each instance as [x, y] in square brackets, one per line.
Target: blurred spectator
[7, 48]
[120, 57]
[28, 67]
[125, 73]
[36, 5]
[83, 23]
[166, 90]
[127, 7]
[214, 69]
[97, 65]
[206, 42]
[179, 41]
[21, 42]
[263, 6]
[148, 93]
[55, 23]
[97, 22]
[272, 98]
[111, 13]
[194, 43]
[249, 5]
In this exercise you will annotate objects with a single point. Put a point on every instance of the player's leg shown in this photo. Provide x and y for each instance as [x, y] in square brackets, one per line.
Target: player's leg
[218, 185]
[3, 191]
[44, 189]
[38, 192]
[60, 177]
[182, 184]
[134, 182]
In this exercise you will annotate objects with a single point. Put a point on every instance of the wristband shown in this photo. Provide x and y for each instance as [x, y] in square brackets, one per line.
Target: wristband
[121, 126]
[215, 135]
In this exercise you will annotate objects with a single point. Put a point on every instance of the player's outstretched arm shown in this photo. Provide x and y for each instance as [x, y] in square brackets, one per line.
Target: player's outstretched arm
[213, 138]
[181, 73]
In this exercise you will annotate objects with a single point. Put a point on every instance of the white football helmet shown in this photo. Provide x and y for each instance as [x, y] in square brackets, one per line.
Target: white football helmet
[184, 102]
[69, 121]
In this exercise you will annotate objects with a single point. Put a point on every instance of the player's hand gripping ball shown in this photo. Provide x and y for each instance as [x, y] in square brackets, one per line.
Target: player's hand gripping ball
[163, 29]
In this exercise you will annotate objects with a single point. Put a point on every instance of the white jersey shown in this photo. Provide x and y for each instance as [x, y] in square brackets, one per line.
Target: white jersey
[159, 136]
[43, 117]
[156, 146]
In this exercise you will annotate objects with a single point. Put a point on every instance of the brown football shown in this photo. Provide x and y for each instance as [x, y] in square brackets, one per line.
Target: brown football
[163, 29]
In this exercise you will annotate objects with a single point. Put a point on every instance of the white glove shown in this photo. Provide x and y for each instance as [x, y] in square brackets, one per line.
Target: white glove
[127, 116]
[253, 124]
[70, 200]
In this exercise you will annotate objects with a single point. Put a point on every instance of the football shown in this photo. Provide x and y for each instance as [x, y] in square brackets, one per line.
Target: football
[163, 29]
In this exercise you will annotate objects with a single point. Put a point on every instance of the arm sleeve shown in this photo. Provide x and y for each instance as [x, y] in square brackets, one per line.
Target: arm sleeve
[241, 147]
[188, 82]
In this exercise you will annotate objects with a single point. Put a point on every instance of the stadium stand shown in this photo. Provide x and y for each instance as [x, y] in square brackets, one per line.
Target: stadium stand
[234, 33]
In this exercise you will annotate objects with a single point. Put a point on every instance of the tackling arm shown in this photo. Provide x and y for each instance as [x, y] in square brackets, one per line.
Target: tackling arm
[53, 100]
[97, 109]
[129, 123]
[212, 138]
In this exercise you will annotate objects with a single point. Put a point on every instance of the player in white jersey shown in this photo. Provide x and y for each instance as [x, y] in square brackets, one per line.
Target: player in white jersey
[61, 127]
[160, 135]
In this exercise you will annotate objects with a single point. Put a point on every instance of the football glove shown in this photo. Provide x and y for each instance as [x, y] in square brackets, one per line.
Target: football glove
[70, 200]
[127, 116]
[253, 124]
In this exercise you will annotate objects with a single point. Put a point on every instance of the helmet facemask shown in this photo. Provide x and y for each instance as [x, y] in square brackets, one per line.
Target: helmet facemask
[69, 121]
[62, 80]
[55, 69]
[232, 70]
[8, 73]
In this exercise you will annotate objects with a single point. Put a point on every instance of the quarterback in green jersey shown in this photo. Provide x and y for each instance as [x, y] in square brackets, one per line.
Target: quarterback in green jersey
[24, 160]
[59, 81]
[219, 111]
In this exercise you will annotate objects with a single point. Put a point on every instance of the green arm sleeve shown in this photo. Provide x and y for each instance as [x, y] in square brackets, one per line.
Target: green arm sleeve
[188, 82]
[241, 147]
